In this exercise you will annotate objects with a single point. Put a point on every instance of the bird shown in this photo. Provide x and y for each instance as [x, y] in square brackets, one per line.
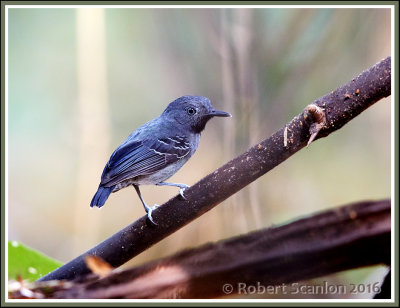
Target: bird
[157, 150]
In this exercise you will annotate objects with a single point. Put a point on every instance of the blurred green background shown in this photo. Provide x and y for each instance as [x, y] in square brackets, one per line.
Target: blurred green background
[81, 80]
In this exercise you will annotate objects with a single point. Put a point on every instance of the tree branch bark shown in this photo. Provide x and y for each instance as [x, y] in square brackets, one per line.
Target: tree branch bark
[337, 108]
[342, 238]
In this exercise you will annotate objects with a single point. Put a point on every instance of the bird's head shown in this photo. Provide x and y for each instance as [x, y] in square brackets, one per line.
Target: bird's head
[193, 112]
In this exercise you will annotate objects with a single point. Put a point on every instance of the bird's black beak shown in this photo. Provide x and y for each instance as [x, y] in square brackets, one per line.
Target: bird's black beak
[219, 113]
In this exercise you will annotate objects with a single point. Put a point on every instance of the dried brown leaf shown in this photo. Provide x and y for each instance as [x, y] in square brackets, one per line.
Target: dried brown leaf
[98, 266]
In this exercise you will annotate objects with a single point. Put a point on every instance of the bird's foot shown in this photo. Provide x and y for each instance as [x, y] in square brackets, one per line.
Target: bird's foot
[182, 189]
[181, 186]
[150, 210]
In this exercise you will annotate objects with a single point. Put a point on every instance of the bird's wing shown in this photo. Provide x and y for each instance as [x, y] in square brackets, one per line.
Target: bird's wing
[143, 157]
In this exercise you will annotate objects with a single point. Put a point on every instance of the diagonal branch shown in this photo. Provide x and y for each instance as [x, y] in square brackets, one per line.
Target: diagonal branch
[341, 238]
[338, 107]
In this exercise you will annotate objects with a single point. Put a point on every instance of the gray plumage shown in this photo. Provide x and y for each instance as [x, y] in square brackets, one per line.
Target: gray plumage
[158, 149]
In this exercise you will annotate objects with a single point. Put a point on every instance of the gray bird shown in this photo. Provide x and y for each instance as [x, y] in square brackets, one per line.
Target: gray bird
[157, 150]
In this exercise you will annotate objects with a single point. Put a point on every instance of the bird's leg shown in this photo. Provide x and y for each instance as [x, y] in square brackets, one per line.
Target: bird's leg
[181, 186]
[147, 208]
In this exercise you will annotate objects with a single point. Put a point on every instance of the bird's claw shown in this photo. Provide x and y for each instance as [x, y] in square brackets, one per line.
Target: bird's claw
[182, 189]
[149, 211]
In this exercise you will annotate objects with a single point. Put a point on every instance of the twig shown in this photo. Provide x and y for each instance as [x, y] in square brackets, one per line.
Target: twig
[340, 106]
[318, 123]
[342, 238]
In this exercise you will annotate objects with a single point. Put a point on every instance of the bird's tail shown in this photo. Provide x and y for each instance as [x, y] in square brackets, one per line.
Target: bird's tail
[101, 196]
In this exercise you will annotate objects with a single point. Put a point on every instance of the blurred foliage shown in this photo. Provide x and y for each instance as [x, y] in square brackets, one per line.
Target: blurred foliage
[28, 264]
[263, 65]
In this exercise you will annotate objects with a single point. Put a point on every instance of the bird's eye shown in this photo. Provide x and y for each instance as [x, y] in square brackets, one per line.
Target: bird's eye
[191, 111]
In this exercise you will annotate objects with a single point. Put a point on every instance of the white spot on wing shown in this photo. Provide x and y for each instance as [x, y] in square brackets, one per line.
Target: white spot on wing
[162, 141]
